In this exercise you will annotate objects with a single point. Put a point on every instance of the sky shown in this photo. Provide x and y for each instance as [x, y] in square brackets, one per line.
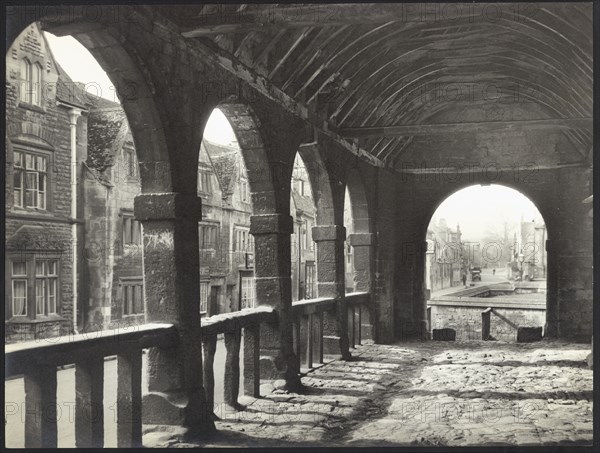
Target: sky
[81, 66]
[476, 208]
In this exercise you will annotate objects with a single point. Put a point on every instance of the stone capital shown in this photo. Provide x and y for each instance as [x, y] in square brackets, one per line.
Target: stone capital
[271, 224]
[361, 239]
[329, 233]
[167, 206]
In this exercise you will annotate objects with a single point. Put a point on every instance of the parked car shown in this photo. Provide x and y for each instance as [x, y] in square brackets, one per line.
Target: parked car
[476, 274]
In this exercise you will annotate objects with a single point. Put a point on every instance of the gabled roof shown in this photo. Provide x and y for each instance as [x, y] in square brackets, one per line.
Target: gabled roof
[225, 169]
[226, 162]
[69, 91]
[303, 203]
[107, 131]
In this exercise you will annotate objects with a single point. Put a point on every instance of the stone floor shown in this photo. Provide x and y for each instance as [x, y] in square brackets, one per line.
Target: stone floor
[421, 394]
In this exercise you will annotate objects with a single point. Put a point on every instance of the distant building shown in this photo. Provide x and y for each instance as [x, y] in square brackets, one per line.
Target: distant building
[112, 275]
[444, 256]
[348, 255]
[528, 253]
[226, 245]
[303, 212]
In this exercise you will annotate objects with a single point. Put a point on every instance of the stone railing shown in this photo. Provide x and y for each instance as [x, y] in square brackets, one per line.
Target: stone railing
[310, 313]
[231, 325]
[305, 313]
[357, 302]
[37, 361]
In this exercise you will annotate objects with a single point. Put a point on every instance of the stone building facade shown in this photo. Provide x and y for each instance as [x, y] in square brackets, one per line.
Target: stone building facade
[42, 112]
[303, 212]
[113, 276]
[226, 245]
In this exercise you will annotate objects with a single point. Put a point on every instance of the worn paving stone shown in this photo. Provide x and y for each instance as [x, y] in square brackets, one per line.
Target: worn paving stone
[423, 394]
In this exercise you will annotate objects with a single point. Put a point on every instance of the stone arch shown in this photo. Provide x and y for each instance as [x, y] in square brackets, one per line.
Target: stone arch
[359, 205]
[124, 68]
[523, 190]
[246, 127]
[534, 192]
[31, 129]
[320, 183]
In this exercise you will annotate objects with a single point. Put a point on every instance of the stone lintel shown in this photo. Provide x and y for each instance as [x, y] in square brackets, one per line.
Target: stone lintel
[360, 239]
[167, 206]
[271, 224]
[329, 233]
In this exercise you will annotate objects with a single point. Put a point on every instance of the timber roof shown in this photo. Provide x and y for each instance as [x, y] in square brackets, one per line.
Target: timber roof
[388, 73]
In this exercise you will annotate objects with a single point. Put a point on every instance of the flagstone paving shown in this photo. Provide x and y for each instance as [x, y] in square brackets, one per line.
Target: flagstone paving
[421, 393]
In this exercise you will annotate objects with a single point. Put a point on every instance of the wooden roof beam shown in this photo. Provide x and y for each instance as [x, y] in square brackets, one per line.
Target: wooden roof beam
[216, 55]
[294, 16]
[267, 17]
[454, 128]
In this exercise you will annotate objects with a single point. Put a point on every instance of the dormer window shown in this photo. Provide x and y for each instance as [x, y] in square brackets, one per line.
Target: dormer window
[31, 82]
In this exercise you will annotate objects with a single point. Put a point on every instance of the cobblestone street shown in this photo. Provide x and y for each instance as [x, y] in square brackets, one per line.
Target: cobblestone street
[434, 393]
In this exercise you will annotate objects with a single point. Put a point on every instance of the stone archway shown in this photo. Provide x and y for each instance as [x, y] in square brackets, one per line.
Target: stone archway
[168, 206]
[565, 217]
[456, 247]
[271, 226]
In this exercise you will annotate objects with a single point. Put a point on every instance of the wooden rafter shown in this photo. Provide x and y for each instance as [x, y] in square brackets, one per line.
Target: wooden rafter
[451, 128]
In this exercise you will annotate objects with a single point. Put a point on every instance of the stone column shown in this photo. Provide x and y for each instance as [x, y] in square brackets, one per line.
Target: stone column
[330, 283]
[551, 328]
[172, 295]
[362, 250]
[272, 264]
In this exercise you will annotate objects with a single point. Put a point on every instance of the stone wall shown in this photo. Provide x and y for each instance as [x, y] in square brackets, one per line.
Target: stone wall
[557, 193]
[466, 321]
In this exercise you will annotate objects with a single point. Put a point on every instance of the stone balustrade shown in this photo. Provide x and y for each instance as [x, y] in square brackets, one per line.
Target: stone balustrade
[231, 325]
[308, 317]
[37, 361]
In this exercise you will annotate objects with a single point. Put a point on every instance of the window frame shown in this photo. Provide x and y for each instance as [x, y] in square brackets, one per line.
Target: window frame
[247, 277]
[19, 166]
[28, 95]
[129, 229]
[204, 180]
[204, 284]
[137, 286]
[46, 279]
[244, 231]
[31, 297]
[203, 228]
[131, 163]
[245, 189]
